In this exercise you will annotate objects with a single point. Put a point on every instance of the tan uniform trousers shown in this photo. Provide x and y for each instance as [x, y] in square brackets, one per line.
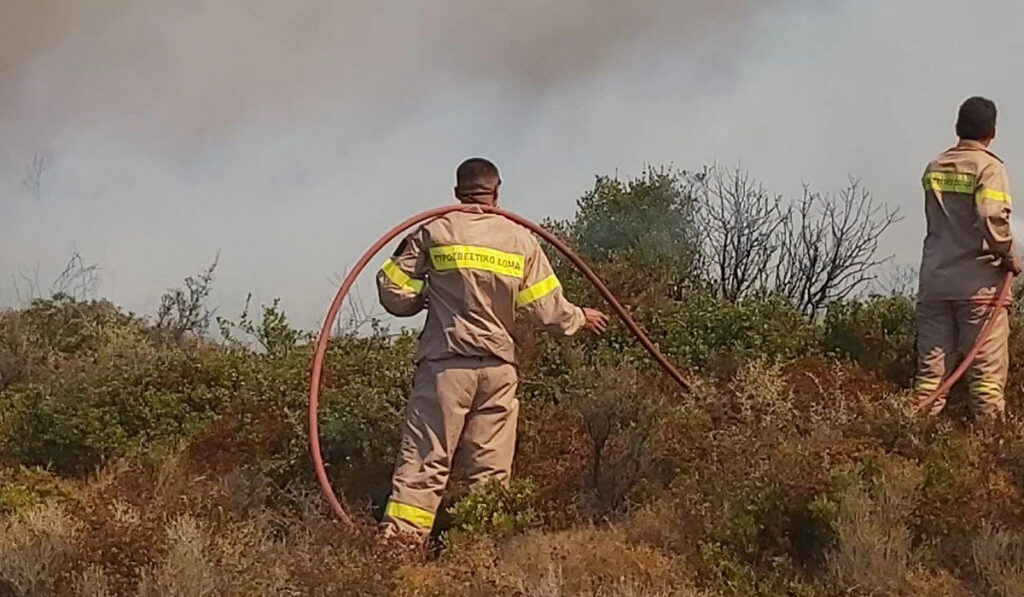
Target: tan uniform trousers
[467, 404]
[947, 330]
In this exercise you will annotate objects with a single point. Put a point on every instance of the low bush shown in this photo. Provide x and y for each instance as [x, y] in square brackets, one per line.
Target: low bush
[878, 333]
[134, 466]
[703, 331]
[496, 510]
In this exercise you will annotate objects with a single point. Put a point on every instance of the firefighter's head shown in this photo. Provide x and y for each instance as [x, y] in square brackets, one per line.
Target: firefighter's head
[477, 181]
[977, 120]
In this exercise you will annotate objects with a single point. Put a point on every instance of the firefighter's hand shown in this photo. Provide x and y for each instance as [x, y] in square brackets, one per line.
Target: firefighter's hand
[596, 321]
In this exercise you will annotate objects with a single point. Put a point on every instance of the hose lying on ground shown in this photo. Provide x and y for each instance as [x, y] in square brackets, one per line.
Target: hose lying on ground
[1001, 302]
[346, 286]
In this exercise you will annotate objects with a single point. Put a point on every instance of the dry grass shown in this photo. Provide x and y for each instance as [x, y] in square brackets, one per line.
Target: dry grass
[762, 394]
[586, 562]
[874, 551]
[187, 570]
[807, 479]
[93, 582]
[35, 547]
[999, 559]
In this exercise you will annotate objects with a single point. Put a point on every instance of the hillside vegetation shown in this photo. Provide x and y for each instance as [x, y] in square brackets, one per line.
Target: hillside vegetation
[142, 456]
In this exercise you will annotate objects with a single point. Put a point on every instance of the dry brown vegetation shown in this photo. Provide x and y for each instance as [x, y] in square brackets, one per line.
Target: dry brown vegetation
[804, 476]
[141, 460]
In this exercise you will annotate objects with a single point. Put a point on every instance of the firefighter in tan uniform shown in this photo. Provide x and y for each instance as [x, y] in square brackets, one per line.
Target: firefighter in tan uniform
[967, 251]
[472, 272]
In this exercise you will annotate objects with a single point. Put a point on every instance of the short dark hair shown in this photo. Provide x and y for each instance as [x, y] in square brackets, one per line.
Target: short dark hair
[477, 176]
[977, 119]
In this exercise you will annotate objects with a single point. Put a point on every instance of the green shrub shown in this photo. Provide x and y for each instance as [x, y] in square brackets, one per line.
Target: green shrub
[80, 422]
[273, 333]
[23, 487]
[647, 220]
[701, 328]
[51, 335]
[878, 333]
[496, 510]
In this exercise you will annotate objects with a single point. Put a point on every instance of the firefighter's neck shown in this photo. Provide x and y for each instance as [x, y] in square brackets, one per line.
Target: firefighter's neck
[488, 200]
[983, 142]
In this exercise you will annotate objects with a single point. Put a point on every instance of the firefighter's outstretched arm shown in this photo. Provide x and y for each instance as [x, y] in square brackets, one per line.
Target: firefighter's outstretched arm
[994, 206]
[401, 281]
[542, 300]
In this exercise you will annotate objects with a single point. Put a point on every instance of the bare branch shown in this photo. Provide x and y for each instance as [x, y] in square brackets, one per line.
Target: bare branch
[739, 224]
[77, 280]
[357, 314]
[183, 311]
[34, 173]
[831, 246]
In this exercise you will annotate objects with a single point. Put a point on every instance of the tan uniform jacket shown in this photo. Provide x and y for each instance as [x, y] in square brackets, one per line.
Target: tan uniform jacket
[473, 272]
[967, 205]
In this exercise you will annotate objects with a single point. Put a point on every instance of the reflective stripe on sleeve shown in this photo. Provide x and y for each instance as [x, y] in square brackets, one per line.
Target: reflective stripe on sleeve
[993, 195]
[400, 278]
[950, 182]
[417, 516]
[538, 291]
[452, 257]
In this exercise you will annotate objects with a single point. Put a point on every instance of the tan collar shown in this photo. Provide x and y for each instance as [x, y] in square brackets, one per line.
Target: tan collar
[976, 146]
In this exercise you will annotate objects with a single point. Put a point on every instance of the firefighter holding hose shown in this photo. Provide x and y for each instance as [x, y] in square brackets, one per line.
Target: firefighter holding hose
[473, 273]
[967, 252]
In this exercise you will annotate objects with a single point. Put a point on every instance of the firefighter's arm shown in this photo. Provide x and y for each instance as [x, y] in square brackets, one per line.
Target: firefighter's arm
[992, 201]
[401, 281]
[542, 300]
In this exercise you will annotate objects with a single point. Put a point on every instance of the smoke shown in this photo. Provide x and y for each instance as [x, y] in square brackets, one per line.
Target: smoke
[287, 135]
[178, 74]
[173, 130]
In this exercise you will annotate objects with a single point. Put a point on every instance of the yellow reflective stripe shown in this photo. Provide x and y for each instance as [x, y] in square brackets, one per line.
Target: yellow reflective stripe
[927, 385]
[950, 182]
[451, 257]
[400, 278]
[993, 195]
[417, 516]
[538, 291]
[986, 388]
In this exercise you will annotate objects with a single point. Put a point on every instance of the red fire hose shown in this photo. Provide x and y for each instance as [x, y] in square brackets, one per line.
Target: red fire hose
[1001, 302]
[346, 286]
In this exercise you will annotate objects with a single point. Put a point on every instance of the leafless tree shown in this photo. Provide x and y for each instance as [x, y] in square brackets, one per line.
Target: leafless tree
[26, 285]
[77, 280]
[830, 245]
[739, 224]
[34, 172]
[357, 315]
[898, 280]
[183, 312]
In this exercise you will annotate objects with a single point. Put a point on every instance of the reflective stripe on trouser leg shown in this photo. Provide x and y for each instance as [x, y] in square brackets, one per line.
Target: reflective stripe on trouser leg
[987, 375]
[442, 394]
[923, 389]
[418, 518]
[925, 386]
[936, 350]
[489, 439]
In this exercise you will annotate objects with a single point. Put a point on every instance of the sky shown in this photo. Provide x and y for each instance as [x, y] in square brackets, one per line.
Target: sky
[287, 136]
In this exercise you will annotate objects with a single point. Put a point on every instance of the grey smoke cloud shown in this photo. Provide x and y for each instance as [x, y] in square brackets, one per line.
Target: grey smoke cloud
[288, 135]
[186, 73]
